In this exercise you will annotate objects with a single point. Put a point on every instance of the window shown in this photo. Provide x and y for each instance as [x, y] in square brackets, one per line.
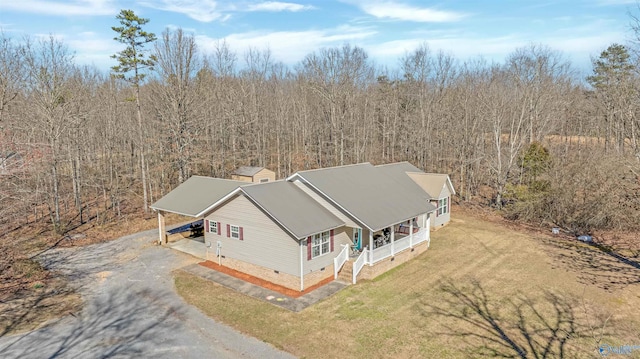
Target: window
[443, 206]
[320, 244]
[264, 180]
[235, 232]
[213, 227]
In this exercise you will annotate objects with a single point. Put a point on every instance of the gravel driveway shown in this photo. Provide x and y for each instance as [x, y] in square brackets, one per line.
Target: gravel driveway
[132, 310]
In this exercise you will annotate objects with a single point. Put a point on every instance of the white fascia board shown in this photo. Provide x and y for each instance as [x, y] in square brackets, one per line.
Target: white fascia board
[273, 218]
[453, 191]
[217, 203]
[156, 209]
[329, 199]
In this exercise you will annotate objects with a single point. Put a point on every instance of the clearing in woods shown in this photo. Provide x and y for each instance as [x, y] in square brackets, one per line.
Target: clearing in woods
[482, 289]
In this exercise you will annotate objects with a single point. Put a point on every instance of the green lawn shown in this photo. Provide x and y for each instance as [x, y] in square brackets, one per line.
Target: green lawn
[482, 289]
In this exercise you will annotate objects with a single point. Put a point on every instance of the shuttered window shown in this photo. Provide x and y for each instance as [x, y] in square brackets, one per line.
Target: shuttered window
[321, 244]
[236, 232]
[212, 227]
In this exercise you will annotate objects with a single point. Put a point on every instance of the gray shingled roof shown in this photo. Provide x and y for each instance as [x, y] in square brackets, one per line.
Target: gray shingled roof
[432, 183]
[195, 195]
[288, 205]
[247, 171]
[373, 195]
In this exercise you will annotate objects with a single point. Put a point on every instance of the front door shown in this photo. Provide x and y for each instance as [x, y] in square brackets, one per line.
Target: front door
[357, 238]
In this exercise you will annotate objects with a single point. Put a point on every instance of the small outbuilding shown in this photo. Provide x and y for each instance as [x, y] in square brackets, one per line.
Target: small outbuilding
[253, 174]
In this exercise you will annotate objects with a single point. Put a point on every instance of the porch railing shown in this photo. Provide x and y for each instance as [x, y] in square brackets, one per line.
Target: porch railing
[381, 253]
[420, 237]
[340, 260]
[371, 257]
[359, 263]
[400, 245]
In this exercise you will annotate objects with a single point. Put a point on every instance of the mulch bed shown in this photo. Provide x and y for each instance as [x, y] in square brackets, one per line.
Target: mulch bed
[261, 282]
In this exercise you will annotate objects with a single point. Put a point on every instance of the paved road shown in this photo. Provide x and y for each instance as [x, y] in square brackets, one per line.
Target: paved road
[132, 310]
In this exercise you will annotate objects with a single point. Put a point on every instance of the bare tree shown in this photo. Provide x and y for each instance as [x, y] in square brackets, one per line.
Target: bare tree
[178, 64]
[49, 66]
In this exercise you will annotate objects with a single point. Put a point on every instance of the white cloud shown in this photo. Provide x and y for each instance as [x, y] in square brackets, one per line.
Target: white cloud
[277, 6]
[399, 11]
[199, 10]
[91, 48]
[577, 47]
[288, 46]
[76, 7]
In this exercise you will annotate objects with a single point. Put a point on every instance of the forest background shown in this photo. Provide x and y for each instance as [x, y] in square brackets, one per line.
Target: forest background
[528, 137]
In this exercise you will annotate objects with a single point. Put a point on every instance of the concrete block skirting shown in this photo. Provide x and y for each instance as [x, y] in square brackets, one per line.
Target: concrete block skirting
[370, 272]
[284, 279]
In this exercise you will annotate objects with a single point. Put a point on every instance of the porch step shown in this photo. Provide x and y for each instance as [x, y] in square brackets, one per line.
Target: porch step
[346, 273]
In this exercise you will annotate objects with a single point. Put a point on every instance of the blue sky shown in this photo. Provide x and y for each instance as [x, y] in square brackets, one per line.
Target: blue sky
[386, 29]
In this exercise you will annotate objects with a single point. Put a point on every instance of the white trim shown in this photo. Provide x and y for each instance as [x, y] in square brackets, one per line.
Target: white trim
[210, 223]
[453, 191]
[322, 243]
[327, 198]
[218, 202]
[273, 218]
[231, 231]
[170, 211]
[301, 265]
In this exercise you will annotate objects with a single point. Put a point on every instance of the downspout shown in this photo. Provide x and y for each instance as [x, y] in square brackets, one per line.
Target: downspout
[301, 268]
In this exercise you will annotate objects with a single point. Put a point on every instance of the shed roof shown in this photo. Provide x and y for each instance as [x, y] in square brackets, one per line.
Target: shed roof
[373, 195]
[293, 209]
[195, 195]
[247, 171]
[432, 183]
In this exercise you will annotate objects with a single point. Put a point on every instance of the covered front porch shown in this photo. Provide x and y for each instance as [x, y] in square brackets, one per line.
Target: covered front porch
[383, 244]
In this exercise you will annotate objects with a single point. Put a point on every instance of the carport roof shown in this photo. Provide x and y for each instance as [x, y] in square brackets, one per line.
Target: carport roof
[195, 195]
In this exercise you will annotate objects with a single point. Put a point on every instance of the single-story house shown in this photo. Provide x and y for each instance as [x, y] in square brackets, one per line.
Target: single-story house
[253, 174]
[354, 221]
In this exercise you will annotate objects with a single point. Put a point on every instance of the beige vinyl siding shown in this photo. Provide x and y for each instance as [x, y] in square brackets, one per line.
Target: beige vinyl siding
[340, 237]
[264, 173]
[264, 242]
[440, 220]
[330, 207]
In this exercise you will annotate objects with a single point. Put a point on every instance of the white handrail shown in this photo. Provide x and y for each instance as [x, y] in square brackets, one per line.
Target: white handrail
[359, 264]
[340, 260]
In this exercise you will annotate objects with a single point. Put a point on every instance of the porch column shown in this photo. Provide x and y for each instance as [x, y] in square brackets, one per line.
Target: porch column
[393, 236]
[370, 248]
[411, 231]
[301, 267]
[161, 228]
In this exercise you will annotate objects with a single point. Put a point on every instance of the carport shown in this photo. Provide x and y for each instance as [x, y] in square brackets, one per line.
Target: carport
[193, 198]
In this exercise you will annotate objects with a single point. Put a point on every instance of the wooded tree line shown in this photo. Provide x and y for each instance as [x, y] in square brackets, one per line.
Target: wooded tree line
[529, 135]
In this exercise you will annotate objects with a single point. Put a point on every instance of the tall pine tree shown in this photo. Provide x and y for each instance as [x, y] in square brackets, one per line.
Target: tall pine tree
[132, 62]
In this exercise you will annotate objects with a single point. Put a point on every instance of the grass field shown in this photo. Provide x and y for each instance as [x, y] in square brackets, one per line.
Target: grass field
[482, 289]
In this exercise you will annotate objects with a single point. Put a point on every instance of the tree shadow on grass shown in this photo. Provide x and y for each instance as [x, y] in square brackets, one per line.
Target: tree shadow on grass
[552, 326]
[594, 265]
[115, 324]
